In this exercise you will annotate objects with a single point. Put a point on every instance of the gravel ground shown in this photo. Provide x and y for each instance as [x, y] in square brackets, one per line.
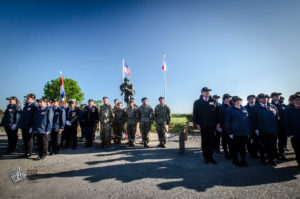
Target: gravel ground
[122, 172]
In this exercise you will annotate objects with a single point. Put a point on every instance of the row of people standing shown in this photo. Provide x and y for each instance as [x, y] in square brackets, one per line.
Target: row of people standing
[116, 119]
[54, 126]
[261, 126]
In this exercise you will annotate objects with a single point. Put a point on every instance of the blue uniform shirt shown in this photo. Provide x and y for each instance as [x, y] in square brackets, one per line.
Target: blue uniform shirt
[27, 114]
[59, 118]
[43, 119]
[11, 116]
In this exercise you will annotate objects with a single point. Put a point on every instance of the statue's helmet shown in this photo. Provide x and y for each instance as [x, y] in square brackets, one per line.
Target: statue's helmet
[126, 79]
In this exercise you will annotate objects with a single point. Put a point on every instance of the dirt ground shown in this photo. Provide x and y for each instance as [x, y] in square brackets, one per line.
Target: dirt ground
[122, 172]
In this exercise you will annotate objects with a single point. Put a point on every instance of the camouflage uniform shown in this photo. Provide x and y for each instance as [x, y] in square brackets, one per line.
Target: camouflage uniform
[106, 118]
[120, 119]
[162, 115]
[146, 118]
[132, 118]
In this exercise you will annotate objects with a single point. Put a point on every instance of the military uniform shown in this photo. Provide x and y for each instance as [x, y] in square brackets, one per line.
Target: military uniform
[59, 121]
[90, 117]
[72, 116]
[106, 118]
[25, 124]
[9, 122]
[42, 126]
[162, 115]
[120, 119]
[146, 118]
[132, 118]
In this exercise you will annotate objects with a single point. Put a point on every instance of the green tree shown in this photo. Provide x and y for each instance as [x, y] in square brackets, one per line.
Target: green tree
[98, 103]
[72, 89]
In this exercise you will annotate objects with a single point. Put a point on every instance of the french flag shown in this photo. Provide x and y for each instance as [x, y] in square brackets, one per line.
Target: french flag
[164, 66]
[62, 90]
[126, 69]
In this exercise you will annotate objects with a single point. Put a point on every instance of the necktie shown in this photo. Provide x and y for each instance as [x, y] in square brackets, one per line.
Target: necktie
[206, 99]
[266, 106]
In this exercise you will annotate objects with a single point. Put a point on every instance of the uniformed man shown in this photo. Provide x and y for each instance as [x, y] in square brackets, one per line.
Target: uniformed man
[226, 141]
[106, 121]
[59, 121]
[132, 118]
[119, 122]
[206, 116]
[90, 117]
[26, 123]
[218, 132]
[72, 116]
[116, 102]
[81, 123]
[293, 125]
[10, 123]
[266, 122]
[162, 117]
[42, 127]
[146, 118]
[281, 138]
[238, 127]
[253, 140]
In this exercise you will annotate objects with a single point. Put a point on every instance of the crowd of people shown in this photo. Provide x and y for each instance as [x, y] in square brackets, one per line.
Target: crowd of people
[54, 125]
[262, 127]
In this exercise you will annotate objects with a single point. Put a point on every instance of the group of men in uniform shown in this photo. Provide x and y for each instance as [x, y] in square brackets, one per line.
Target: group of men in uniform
[54, 126]
[261, 127]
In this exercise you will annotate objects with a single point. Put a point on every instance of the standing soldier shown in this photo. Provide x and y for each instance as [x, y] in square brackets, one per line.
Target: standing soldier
[238, 128]
[81, 123]
[10, 121]
[162, 116]
[282, 134]
[206, 117]
[132, 118]
[72, 116]
[218, 132]
[226, 141]
[146, 118]
[120, 119]
[253, 140]
[90, 117]
[26, 122]
[116, 102]
[266, 121]
[59, 120]
[106, 120]
[293, 125]
[42, 126]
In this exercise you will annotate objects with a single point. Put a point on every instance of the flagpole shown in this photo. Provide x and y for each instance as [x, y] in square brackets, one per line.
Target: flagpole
[123, 76]
[165, 78]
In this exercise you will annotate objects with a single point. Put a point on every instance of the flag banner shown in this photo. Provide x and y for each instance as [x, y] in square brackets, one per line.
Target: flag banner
[62, 90]
[126, 70]
[164, 66]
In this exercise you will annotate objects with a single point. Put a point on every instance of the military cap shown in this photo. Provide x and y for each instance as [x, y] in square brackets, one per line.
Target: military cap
[116, 100]
[144, 98]
[235, 98]
[43, 99]
[250, 96]
[30, 95]
[90, 100]
[12, 97]
[262, 95]
[297, 95]
[161, 98]
[205, 89]
[226, 95]
[37, 100]
[216, 96]
[71, 100]
[275, 94]
[105, 98]
[126, 79]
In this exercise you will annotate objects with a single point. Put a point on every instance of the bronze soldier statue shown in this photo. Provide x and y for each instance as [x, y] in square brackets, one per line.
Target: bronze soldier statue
[127, 89]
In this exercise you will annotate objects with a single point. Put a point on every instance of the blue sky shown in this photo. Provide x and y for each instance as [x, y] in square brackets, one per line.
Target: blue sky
[237, 47]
